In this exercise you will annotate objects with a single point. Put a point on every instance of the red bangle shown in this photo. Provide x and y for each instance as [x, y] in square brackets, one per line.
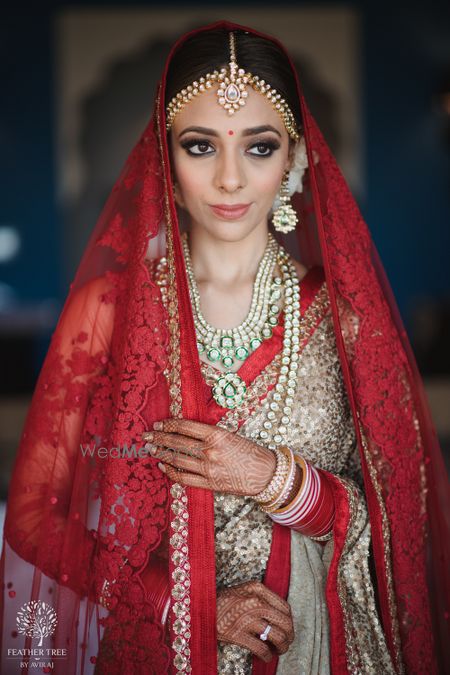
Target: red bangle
[320, 521]
[311, 511]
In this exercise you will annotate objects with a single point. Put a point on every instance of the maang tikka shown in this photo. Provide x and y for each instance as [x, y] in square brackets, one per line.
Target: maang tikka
[232, 92]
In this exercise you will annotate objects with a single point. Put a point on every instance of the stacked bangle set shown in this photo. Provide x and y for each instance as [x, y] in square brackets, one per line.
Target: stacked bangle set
[311, 510]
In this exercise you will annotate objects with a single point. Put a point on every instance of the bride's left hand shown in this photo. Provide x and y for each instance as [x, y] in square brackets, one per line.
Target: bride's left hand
[207, 456]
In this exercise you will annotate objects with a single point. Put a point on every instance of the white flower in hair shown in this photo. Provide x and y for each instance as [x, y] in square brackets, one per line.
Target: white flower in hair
[295, 183]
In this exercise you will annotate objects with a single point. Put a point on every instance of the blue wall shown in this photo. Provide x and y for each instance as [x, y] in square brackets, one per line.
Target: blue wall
[408, 206]
[27, 150]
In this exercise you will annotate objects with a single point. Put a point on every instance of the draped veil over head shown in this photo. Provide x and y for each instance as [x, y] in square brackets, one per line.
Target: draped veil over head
[81, 528]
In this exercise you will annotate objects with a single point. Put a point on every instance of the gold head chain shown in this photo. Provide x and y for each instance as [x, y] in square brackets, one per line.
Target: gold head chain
[232, 92]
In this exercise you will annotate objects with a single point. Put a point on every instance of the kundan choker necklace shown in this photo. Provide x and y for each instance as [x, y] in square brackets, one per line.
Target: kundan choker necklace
[235, 344]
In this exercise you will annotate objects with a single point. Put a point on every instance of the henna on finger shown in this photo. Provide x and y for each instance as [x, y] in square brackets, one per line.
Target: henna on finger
[258, 647]
[270, 597]
[187, 479]
[242, 615]
[281, 621]
[180, 461]
[276, 636]
[189, 428]
[237, 615]
[182, 443]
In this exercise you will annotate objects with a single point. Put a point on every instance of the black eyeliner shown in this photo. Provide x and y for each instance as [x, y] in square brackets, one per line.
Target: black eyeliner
[270, 144]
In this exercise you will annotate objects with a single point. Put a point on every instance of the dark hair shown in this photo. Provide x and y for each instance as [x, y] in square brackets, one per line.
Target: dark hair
[209, 50]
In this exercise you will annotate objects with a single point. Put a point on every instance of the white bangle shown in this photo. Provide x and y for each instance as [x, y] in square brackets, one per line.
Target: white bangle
[277, 480]
[275, 503]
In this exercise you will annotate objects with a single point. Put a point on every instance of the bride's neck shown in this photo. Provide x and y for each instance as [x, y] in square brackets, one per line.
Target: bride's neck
[215, 260]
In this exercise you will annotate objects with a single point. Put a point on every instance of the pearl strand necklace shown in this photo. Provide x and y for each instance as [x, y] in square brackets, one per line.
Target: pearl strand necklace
[272, 434]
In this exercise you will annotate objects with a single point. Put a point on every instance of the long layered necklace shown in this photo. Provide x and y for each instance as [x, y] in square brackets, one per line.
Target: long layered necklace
[277, 412]
[228, 345]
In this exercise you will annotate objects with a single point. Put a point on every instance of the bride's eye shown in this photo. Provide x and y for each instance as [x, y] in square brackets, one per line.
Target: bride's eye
[265, 148]
[198, 147]
[192, 143]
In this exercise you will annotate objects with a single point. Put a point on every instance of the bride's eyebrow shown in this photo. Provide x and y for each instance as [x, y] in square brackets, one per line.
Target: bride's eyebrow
[252, 131]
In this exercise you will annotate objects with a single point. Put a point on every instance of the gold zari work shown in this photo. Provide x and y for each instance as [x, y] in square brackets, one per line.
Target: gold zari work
[179, 614]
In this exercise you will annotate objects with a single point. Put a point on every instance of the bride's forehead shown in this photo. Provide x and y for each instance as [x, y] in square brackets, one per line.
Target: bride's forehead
[205, 110]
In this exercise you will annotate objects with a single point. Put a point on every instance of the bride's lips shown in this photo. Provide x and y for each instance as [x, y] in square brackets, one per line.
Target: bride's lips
[230, 212]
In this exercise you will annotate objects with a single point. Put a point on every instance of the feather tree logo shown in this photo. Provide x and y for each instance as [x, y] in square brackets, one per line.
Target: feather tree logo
[36, 619]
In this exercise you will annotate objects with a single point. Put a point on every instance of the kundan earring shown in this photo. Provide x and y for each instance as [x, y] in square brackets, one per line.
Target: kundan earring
[284, 217]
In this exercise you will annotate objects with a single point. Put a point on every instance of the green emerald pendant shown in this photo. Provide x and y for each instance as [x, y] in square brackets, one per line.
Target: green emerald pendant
[227, 361]
[229, 390]
[213, 354]
[241, 353]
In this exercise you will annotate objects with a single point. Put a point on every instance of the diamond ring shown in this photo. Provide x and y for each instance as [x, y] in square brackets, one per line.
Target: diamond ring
[264, 635]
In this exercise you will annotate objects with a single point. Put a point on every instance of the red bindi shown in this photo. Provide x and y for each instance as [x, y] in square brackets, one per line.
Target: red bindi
[230, 132]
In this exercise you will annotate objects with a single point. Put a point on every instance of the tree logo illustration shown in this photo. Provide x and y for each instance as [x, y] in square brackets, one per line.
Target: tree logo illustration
[36, 619]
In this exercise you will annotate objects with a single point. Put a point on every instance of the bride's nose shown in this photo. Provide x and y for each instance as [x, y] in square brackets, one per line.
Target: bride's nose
[230, 173]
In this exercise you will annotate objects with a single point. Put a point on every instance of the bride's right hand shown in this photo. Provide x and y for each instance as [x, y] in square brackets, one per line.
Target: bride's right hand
[243, 612]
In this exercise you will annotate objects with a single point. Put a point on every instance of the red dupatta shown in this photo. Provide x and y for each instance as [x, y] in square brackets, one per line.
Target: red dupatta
[120, 359]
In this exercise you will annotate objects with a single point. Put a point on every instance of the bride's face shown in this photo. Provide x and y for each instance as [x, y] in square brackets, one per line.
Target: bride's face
[219, 159]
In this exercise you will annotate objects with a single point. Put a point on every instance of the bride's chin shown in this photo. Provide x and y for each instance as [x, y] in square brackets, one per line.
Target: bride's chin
[231, 232]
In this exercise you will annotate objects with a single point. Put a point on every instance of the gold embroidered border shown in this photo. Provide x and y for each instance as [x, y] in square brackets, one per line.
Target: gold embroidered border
[387, 554]
[352, 656]
[181, 582]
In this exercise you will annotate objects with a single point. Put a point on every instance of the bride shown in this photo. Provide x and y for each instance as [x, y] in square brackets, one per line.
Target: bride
[230, 315]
